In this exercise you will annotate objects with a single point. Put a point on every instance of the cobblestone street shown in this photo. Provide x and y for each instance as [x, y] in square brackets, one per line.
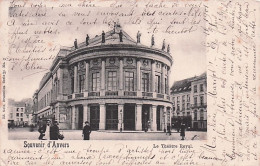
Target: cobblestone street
[25, 134]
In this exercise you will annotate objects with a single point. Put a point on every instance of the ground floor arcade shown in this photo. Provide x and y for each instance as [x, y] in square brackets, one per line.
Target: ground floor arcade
[113, 116]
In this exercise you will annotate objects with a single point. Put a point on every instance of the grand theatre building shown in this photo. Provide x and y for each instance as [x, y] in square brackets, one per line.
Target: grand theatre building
[112, 81]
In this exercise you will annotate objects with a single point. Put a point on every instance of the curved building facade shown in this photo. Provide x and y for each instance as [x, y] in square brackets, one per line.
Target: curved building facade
[112, 81]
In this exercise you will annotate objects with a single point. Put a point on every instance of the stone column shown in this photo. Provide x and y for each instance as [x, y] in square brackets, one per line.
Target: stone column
[103, 79]
[163, 80]
[138, 78]
[121, 75]
[165, 117]
[75, 78]
[120, 116]
[168, 79]
[154, 122]
[138, 124]
[86, 76]
[102, 117]
[85, 113]
[153, 77]
[73, 117]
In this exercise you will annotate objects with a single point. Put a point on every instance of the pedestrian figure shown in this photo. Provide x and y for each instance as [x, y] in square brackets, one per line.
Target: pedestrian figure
[54, 131]
[168, 48]
[169, 130]
[87, 39]
[163, 44]
[86, 131]
[138, 36]
[103, 37]
[121, 36]
[76, 44]
[42, 129]
[182, 131]
[152, 40]
[47, 131]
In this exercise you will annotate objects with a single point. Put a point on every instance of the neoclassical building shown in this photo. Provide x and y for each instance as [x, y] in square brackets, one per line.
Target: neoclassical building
[112, 81]
[189, 97]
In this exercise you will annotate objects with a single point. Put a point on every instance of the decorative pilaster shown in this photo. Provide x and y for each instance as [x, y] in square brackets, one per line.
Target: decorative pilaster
[138, 79]
[103, 79]
[120, 117]
[153, 77]
[102, 117]
[163, 79]
[86, 76]
[154, 123]
[138, 117]
[75, 78]
[73, 117]
[85, 113]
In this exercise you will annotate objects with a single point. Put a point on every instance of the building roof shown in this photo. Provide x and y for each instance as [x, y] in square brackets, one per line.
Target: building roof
[185, 85]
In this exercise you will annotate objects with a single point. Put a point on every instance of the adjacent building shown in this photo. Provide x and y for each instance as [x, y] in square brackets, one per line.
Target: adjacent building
[189, 97]
[112, 81]
[20, 114]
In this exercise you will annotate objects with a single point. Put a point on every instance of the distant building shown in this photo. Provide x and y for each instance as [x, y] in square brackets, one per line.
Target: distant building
[20, 114]
[113, 81]
[189, 97]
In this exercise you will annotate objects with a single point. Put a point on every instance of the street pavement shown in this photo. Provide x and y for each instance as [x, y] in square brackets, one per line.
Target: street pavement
[25, 134]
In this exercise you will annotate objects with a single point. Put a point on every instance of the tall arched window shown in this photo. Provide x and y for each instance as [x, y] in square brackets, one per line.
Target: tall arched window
[201, 114]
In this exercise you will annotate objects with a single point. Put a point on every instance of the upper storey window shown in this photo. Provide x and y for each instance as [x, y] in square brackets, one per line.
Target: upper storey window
[95, 81]
[157, 84]
[201, 87]
[129, 81]
[81, 82]
[195, 88]
[112, 81]
[145, 82]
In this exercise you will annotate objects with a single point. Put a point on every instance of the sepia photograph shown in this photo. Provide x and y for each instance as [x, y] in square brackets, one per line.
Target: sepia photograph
[114, 86]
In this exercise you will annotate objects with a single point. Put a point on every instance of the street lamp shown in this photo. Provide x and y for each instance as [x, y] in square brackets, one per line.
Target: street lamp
[121, 121]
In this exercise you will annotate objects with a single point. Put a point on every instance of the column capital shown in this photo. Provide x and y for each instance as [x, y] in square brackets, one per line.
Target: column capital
[139, 104]
[154, 106]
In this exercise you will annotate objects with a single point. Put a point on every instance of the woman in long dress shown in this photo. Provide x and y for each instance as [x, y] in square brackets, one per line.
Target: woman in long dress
[47, 132]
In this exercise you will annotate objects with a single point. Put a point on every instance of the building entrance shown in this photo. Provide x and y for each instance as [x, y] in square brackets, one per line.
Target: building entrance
[158, 118]
[80, 117]
[111, 117]
[129, 117]
[145, 117]
[94, 117]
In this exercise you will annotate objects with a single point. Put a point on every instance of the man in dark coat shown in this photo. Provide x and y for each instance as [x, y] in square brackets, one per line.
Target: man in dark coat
[54, 131]
[182, 131]
[42, 129]
[86, 131]
[87, 39]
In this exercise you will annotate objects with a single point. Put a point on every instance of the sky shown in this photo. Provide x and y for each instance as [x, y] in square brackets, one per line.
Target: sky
[187, 50]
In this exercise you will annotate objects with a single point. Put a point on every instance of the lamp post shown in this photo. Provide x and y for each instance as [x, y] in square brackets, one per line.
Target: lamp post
[121, 114]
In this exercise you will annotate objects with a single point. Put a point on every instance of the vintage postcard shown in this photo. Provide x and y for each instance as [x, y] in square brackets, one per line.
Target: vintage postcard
[129, 82]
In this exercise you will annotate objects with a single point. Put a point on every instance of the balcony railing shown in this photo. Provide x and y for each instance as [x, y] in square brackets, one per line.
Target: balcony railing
[128, 93]
[94, 94]
[78, 95]
[160, 95]
[148, 94]
[198, 105]
[111, 93]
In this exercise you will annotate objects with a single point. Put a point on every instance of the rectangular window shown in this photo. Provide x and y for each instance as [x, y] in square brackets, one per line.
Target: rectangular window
[188, 98]
[183, 99]
[188, 106]
[195, 101]
[145, 82]
[195, 115]
[21, 114]
[17, 109]
[17, 114]
[112, 81]
[21, 119]
[166, 86]
[157, 84]
[72, 85]
[81, 82]
[201, 87]
[129, 81]
[201, 115]
[201, 100]
[21, 109]
[95, 81]
[195, 88]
